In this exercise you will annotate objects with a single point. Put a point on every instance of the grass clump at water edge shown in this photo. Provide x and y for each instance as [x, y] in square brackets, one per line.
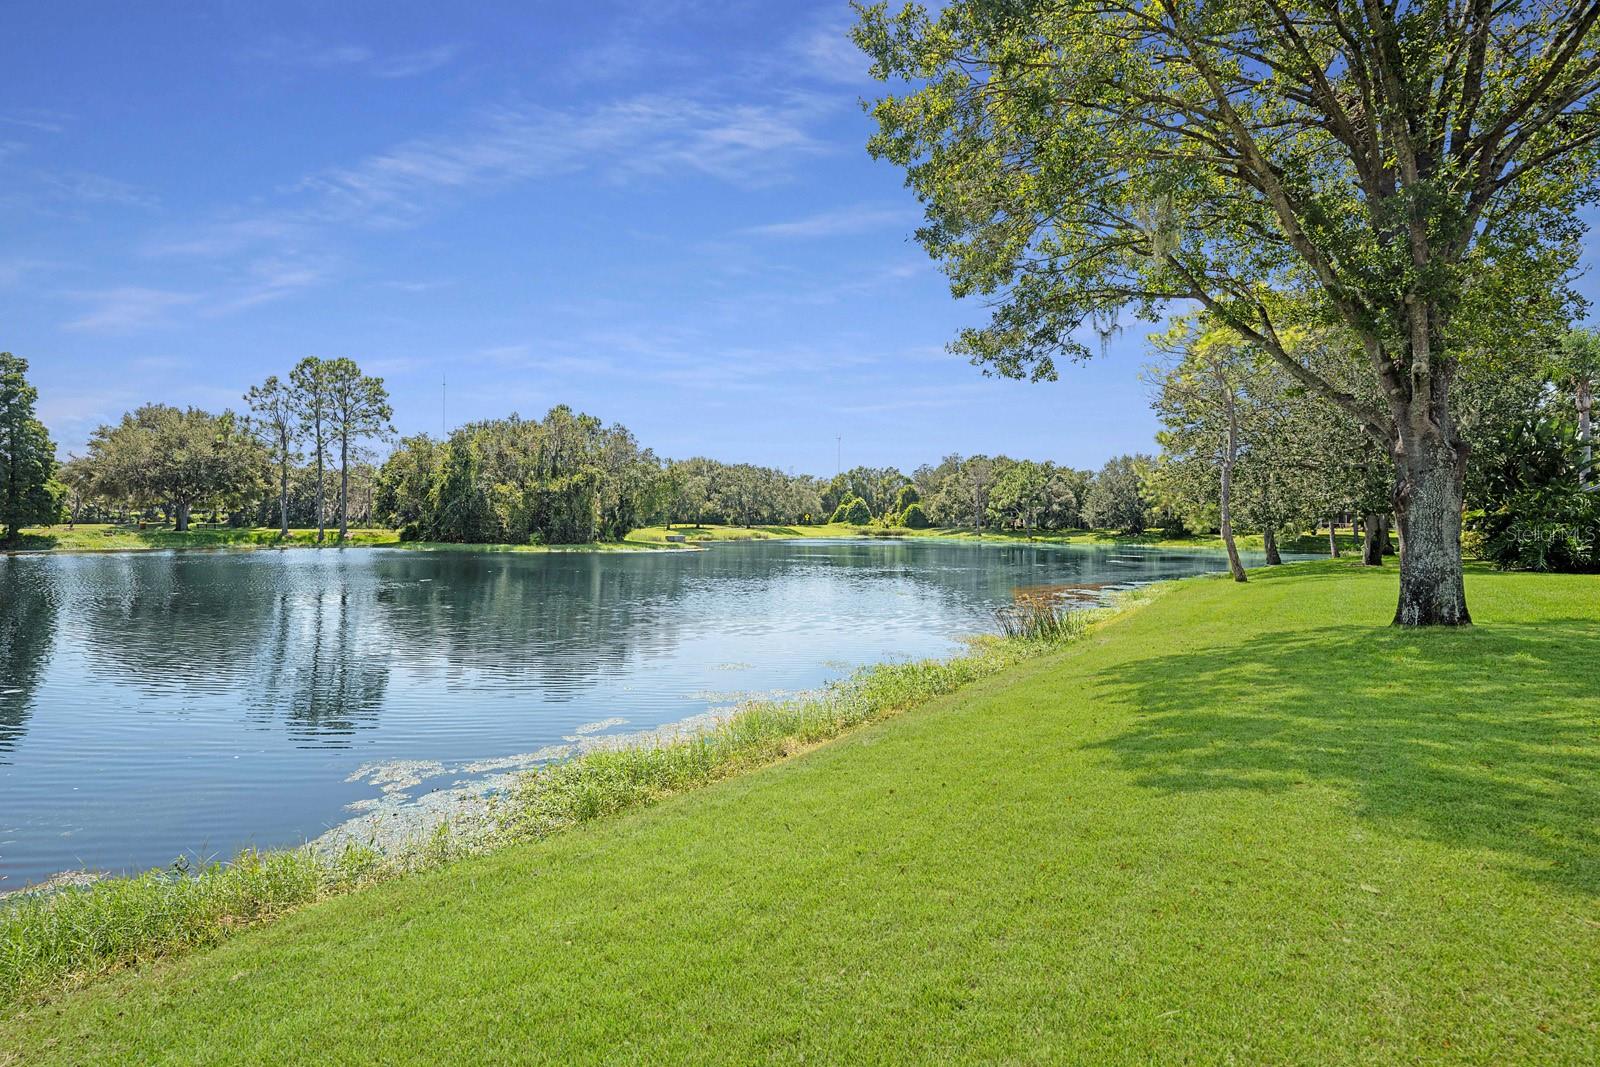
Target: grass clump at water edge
[50, 940]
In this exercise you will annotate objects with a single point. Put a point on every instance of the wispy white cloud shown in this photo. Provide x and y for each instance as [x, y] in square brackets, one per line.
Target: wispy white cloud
[415, 287]
[128, 308]
[642, 136]
[35, 119]
[82, 187]
[229, 237]
[132, 308]
[410, 64]
[265, 281]
[12, 271]
[838, 222]
[824, 51]
[317, 55]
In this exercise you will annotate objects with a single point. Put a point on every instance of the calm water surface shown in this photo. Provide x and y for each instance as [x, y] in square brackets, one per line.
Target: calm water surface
[187, 703]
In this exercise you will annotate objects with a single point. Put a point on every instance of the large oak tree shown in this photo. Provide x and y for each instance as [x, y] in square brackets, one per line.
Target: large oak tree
[1408, 169]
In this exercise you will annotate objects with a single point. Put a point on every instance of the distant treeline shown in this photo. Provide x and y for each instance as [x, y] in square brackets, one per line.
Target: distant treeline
[569, 479]
[1244, 448]
[301, 456]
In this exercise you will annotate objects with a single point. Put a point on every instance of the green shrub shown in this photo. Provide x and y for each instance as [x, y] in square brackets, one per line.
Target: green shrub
[1536, 517]
[914, 518]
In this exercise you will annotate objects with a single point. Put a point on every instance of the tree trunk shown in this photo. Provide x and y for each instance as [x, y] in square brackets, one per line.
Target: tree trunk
[1225, 498]
[180, 518]
[344, 485]
[322, 518]
[1235, 568]
[1585, 436]
[1269, 541]
[1429, 471]
[1371, 541]
[1333, 539]
[283, 494]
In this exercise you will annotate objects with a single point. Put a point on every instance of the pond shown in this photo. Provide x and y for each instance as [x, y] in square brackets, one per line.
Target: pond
[164, 704]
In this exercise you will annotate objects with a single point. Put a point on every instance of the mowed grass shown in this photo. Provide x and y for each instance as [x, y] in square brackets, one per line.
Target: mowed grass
[1313, 543]
[112, 537]
[1239, 824]
[119, 537]
[716, 532]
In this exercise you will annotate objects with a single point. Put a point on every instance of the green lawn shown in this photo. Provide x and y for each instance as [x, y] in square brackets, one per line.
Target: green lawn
[114, 537]
[109, 537]
[714, 532]
[1310, 543]
[106, 537]
[1247, 824]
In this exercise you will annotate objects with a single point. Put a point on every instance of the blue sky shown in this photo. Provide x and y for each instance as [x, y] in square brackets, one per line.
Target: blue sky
[662, 214]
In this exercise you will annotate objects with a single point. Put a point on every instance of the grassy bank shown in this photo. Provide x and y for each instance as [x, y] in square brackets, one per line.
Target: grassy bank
[109, 537]
[117, 537]
[1307, 544]
[126, 538]
[1242, 823]
[713, 532]
[52, 940]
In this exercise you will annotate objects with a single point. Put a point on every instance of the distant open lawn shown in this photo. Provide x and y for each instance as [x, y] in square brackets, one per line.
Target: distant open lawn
[692, 533]
[107, 537]
[1314, 543]
[1240, 823]
[119, 537]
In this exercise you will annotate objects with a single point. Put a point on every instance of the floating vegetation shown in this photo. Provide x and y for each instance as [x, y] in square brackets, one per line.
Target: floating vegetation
[597, 727]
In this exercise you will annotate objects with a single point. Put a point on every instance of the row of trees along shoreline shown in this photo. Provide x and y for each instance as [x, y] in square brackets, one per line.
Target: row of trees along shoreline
[1244, 449]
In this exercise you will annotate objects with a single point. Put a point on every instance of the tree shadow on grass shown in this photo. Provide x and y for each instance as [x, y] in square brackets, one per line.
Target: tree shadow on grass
[30, 542]
[1485, 739]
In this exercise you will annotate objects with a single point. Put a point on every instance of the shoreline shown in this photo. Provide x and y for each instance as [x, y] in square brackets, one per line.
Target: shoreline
[397, 820]
[532, 797]
[642, 539]
[201, 545]
[1150, 792]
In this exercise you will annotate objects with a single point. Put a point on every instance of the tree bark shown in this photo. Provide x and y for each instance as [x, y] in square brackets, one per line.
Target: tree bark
[1225, 499]
[322, 517]
[1269, 541]
[1429, 472]
[1333, 539]
[344, 485]
[180, 518]
[1585, 434]
[1371, 541]
[283, 489]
